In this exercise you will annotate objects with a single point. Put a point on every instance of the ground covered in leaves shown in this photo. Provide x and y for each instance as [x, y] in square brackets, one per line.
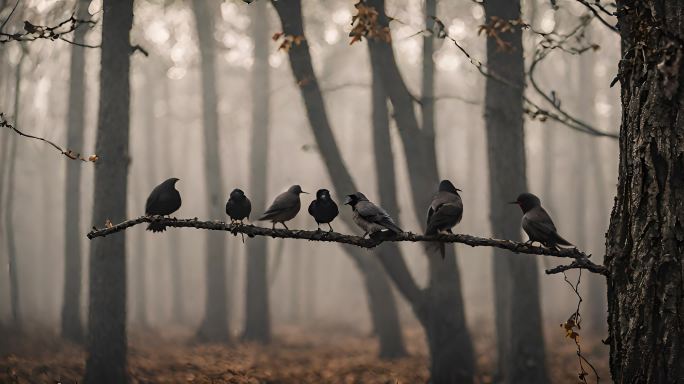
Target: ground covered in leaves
[297, 356]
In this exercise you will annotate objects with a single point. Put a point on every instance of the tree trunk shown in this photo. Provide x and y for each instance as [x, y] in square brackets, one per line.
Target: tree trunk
[516, 286]
[215, 324]
[257, 307]
[645, 240]
[381, 302]
[106, 362]
[72, 327]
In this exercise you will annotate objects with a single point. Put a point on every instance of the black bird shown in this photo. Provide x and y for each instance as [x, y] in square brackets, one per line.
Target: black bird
[537, 223]
[369, 217]
[285, 207]
[446, 210]
[238, 206]
[164, 200]
[323, 209]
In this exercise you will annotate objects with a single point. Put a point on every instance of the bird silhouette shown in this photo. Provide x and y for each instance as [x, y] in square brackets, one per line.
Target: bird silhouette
[323, 209]
[238, 206]
[163, 200]
[445, 211]
[284, 208]
[537, 223]
[369, 217]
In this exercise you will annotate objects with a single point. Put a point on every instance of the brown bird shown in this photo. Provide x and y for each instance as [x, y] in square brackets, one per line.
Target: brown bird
[537, 223]
[285, 207]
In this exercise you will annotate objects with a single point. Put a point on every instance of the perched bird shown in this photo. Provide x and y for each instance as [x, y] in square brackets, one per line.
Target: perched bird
[369, 217]
[164, 200]
[537, 223]
[238, 206]
[323, 209]
[285, 207]
[445, 211]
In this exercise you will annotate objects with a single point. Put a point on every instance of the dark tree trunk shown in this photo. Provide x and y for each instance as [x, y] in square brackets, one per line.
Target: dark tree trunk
[215, 324]
[257, 307]
[381, 302]
[72, 327]
[15, 308]
[516, 286]
[106, 362]
[645, 241]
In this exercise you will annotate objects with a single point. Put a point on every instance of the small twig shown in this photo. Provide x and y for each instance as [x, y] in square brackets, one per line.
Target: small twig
[140, 49]
[34, 32]
[598, 15]
[68, 152]
[84, 45]
[9, 16]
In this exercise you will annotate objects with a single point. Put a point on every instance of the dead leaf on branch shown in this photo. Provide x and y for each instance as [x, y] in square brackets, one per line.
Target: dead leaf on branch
[366, 24]
[287, 40]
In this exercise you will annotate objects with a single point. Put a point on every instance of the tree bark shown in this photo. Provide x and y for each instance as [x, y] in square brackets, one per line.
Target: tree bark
[215, 324]
[645, 241]
[257, 307]
[381, 302]
[72, 327]
[106, 361]
[519, 324]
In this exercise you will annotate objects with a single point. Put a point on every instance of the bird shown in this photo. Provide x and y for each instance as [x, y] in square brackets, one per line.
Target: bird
[163, 200]
[537, 223]
[445, 211]
[238, 206]
[284, 208]
[369, 217]
[323, 209]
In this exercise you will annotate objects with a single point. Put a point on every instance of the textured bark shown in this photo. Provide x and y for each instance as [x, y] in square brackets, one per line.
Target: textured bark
[519, 325]
[381, 302]
[257, 307]
[72, 327]
[106, 361]
[214, 327]
[645, 241]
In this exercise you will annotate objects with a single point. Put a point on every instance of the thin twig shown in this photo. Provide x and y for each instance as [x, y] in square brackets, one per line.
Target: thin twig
[9, 16]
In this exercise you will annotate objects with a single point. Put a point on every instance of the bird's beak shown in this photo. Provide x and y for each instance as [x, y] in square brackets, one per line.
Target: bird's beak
[513, 202]
[305, 192]
[460, 190]
[347, 200]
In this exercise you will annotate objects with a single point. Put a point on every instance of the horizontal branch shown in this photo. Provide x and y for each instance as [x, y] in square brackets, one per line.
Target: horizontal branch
[581, 259]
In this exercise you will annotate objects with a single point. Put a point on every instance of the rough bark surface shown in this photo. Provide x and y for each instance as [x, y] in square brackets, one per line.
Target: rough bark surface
[106, 361]
[72, 326]
[516, 287]
[214, 327]
[257, 309]
[645, 241]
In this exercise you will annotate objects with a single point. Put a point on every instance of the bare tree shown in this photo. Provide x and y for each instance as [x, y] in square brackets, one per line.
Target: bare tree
[106, 347]
[215, 324]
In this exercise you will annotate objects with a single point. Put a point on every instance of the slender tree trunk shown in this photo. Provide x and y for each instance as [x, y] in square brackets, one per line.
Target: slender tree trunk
[257, 307]
[516, 286]
[645, 241]
[215, 324]
[381, 302]
[106, 362]
[9, 201]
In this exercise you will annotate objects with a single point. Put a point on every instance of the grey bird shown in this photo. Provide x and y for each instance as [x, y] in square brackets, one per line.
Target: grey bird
[369, 217]
[445, 211]
[238, 206]
[323, 209]
[285, 207]
[163, 200]
[537, 223]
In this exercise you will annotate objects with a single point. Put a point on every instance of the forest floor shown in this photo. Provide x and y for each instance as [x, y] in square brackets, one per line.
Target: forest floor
[296, 356]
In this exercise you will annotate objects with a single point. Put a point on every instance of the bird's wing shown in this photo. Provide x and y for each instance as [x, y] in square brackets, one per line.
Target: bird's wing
[539, 221]
[445, 207]
[152, 199]
[312, 206]
[283, 202]
[375, 214]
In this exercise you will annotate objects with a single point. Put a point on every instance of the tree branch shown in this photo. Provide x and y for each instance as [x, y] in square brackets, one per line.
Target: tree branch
[34, 32]
[581, 259]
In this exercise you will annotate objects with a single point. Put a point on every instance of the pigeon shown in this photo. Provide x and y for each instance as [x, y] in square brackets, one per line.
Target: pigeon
[369, 217]
[238, 206]
[164, 200]
[323, 209]
[285, 207]
[445, 211]
[537, 223]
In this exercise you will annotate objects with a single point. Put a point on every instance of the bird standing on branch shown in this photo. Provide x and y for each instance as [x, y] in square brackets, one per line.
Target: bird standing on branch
[285, 207]
[369, 217]
[323, 209]
[164, 200]
[537, 223]
[238, 206]
[445, 211]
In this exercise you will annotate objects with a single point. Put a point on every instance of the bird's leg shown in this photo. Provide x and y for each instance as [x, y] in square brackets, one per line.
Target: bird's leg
[330, 227]
[283, 223]
[449, 231]
[319, 226]
[273, 225]
[243, 237]
[529, 242]
[364, 234]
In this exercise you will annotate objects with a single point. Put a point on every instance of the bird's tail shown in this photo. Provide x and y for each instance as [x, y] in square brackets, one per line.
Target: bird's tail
[156, 227]
[561, 241]
[435, 246]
